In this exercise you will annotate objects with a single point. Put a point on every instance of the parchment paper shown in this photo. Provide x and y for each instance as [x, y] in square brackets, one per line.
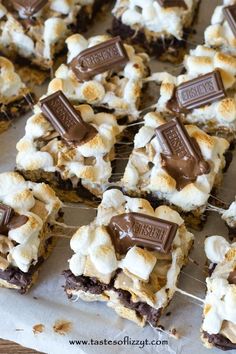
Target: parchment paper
[46, 303]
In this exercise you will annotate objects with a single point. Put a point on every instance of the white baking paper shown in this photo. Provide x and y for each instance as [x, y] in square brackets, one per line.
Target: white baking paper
[46, 303]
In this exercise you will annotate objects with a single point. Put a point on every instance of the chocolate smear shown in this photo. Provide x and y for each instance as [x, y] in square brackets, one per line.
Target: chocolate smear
[181, 156]
[131, 229]
[66, 120]
[99, 58]
[201, 91]
[230, 16]
[172, 3]
[232, 277]
[29, 7]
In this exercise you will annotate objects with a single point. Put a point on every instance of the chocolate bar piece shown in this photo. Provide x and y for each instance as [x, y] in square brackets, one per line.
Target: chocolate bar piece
[29, 7]
[65, 119]
[201, 91]
[230, 15]
[5, 214]
[172, 3]
[99, 58]
[182, 157]
[132, 229]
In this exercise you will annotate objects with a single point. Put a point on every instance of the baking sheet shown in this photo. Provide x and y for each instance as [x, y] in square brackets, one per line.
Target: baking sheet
[46, 304]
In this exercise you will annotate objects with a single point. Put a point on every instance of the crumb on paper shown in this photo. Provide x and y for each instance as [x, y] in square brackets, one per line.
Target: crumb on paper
[38, 328]
[168, 314]
[62, 327]
[174, 333]
[35, 298]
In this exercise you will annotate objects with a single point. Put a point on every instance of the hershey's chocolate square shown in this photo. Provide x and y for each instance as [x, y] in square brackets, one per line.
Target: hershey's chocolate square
[5, 214]
[139, 229]
[175, 140]
[29, 7]
[201, 91]
[230, 16]
[99, 58]
[65, 119]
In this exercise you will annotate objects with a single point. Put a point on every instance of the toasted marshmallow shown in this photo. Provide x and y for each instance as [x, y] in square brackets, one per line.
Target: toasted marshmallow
[139, 262]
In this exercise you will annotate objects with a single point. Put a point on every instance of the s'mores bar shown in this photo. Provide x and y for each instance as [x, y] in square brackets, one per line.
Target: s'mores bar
[28, 213]
[103, 72]
[130, 257]
[176, 164]
[161, 27]
[35, 31]
[219, 317]
[204, 94]
[69, 147]
[221, 34]
[14, 95]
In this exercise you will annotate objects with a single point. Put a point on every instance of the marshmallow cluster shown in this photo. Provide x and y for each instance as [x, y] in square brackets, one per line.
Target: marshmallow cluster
[39, 204]
[219, 34]
[155, 20]
[120, 91]
[200, 61]
[42, 149]
[220, 301]
[144, 172]
[11, 86]
[53, 20]
[95, 256]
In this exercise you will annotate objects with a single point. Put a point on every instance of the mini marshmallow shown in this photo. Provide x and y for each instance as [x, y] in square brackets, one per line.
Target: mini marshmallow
[77, 264]
[104, 259]
[139, 262]
[216, 248]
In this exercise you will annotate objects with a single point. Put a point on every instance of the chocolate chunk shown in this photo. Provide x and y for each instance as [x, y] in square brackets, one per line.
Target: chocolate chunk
[230, 16]
[29, 7]
[99, 58]
[66, 120]
[181, 157]
[232, 277]
[173, 3]
[17, 221]
[131, 229]
[5, 215]
[201, 91]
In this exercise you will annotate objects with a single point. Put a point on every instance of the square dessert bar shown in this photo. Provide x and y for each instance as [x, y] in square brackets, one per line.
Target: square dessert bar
[161, 27]
[219, 317]
[204, 94]
[69, 147]
[14, 95]
[36, 31]
[221, 34]
[28, 213]
[103, 72]
[130, 257]
[175, 164]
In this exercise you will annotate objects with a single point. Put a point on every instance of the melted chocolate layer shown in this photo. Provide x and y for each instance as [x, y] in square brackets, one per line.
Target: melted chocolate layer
[94, 286]
[158, 47]
[16, 277]
[219, 341]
